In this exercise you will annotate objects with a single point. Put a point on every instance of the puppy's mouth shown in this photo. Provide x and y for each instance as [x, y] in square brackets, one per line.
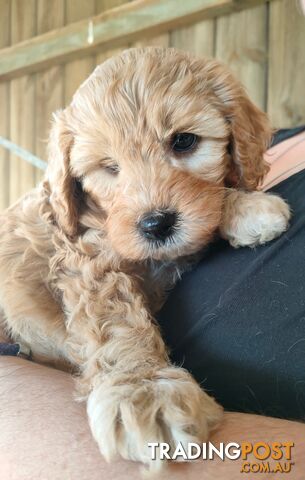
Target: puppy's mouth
[166, 243]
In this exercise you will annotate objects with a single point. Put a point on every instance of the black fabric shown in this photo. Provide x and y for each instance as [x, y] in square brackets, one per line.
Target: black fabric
[9, 349]
[237, 321]
[286, 133]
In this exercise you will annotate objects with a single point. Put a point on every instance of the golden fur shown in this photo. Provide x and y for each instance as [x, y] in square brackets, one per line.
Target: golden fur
[79, 284]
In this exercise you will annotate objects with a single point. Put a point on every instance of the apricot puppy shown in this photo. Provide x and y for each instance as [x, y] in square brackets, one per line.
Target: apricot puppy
[157, 152]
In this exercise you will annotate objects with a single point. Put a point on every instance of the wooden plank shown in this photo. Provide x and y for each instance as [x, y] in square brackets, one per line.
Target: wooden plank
[241, 43]
[117, 27]
[103, 6]
[286, 76]
[5, 109]
[77, 70]
[50, 83]
[158, 41]
[22, 91]
[162, 40]
[198, 38]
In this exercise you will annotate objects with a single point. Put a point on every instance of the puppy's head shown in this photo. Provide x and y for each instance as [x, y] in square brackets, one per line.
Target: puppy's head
[153, 137]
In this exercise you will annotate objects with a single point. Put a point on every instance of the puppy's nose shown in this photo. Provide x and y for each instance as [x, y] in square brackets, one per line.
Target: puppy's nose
[158, 225]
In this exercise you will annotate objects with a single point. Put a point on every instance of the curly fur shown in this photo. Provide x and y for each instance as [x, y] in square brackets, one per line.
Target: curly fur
[79, 284]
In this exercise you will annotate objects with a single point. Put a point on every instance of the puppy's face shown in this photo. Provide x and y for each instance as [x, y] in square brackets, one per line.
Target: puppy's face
[150, 136]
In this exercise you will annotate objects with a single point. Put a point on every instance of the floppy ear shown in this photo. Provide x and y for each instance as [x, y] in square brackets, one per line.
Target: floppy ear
[65, 195]
[250, 130]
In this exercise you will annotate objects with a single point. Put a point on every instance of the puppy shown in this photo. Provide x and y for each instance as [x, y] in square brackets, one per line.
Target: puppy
[157, 153]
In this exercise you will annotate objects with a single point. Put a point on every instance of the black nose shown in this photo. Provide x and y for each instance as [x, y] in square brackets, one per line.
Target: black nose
[158, 225]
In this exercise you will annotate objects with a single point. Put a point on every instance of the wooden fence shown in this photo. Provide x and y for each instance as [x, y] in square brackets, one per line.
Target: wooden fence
[263, 41]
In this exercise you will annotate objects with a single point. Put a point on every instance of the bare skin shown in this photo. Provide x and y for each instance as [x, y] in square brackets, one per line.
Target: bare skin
[44, 433]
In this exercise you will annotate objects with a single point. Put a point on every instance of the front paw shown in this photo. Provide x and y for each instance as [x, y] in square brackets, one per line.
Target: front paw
[170, 407]
[253, 218]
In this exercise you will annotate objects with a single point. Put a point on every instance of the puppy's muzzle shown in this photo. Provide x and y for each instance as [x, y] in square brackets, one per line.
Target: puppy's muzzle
[158, 225]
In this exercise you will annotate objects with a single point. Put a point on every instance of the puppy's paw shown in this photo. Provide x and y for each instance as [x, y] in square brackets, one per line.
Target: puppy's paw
[253, 218]
[170, 407]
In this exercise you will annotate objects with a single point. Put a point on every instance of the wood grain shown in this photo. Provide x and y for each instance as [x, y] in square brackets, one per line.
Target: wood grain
[154, 41]
[77, 70]
[119, 26]
[198, 38]
[22, 98]
[5, 109]
[101, 7]
[49, 83]
[286, 78]
[241, 43]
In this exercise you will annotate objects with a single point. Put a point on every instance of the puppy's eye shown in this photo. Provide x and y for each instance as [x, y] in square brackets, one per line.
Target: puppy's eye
[113, 169]
[184, 142]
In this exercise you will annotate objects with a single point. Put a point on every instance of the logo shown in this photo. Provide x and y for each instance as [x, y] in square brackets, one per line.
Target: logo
[259, 457]
[262, 457]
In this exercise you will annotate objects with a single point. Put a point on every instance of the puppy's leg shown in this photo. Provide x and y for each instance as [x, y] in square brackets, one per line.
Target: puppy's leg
[253, 218]
[135, 395]
[29, 315]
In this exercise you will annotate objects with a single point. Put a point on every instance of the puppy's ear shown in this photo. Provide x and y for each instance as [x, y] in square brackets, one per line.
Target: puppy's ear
[250, 132]
[65, 190]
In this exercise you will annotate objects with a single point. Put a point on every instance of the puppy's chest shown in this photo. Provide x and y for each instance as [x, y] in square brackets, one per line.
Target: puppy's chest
[76, 279]
[159, 278]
